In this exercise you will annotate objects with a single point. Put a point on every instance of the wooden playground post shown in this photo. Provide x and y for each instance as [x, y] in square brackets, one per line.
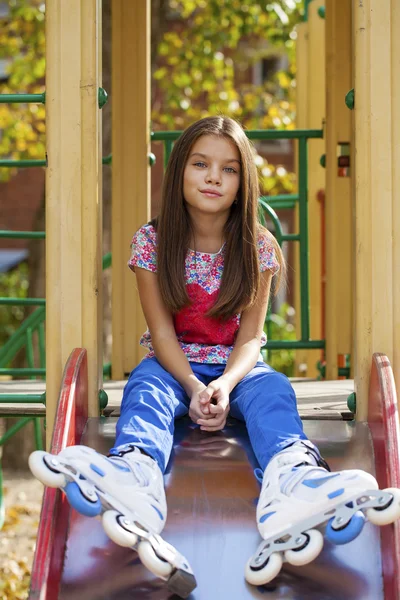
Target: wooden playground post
[338, 205]
[73, 194]
[377, 231]
[310, 115]
[316, 174]
[130, 171]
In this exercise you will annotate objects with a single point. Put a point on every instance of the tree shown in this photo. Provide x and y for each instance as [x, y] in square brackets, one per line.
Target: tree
[22, 126]
[199, 73]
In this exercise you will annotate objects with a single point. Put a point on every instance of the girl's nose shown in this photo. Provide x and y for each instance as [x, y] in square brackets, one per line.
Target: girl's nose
[213, 177]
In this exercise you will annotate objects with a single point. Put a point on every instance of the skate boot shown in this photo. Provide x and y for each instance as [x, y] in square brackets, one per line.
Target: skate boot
[299, 497]
[128, 492]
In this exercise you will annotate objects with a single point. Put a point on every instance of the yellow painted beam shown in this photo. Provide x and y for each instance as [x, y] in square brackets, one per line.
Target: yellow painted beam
[338, 204]
[376, 238]
[395, 82]
[310, 115]
[131, 171]
[73, 193]
[316, 174]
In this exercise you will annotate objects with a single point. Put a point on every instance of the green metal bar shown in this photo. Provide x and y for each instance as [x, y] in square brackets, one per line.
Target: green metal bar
[294, 344]
[42, 345]
[23, 372]
[274, 218]
[22, 301]
[167, 151]
[10, 163]
[22, 98]
[38, 434]
[306, 3]
[280, 198]
[14, 429]
[303, 225]
[27, 413]
[22, 235]
[29, 349]
[259, 134]
[291, 237]
[23, 398]
[16, 342]
[107, 261]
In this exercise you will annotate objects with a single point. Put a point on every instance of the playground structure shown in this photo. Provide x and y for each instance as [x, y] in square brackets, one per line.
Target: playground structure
[362, 229]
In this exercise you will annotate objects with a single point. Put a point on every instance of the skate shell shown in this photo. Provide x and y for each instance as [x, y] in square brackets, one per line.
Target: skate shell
[309, 552]
[149, 558]
[267, 572]
[116, 532]
[43, 472]
[389, 514]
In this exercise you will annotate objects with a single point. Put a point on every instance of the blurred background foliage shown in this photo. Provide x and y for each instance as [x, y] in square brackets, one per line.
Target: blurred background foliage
[22, 46]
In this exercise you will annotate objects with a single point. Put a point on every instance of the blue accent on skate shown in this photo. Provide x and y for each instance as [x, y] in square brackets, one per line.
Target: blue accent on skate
[158, 512]
[318, 481]
[266, 516]
[118, 465]
[336, 493]
[97, 470]
[81, 504]
[347, 533]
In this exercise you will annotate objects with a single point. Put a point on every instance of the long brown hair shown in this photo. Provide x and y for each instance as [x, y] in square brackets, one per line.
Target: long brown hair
[241, 275]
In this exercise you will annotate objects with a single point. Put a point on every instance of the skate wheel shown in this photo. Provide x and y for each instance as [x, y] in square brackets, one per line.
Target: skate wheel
[308, 552]
[80, 503]
[348, 533]
[149, 558]
[387, 514]
[112, 525]
[266, 572]
[42, 471]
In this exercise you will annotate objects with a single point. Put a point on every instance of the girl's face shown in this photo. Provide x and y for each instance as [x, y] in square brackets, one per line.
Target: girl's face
[211, 178]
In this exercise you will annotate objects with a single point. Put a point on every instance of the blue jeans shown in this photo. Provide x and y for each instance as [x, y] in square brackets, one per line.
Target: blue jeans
[153, 399]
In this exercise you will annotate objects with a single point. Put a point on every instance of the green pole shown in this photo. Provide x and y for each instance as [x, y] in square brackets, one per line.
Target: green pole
[303, 223]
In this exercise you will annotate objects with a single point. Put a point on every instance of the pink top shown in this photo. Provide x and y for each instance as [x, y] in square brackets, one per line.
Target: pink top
[203, 339]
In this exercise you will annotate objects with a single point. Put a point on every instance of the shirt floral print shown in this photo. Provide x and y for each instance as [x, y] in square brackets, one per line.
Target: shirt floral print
[203, 339]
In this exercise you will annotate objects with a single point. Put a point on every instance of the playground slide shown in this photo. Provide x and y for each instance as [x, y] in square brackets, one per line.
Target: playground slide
[211, 493]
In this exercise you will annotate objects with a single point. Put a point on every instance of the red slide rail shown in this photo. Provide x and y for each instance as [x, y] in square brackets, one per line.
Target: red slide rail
[71, 418]
[383, 421]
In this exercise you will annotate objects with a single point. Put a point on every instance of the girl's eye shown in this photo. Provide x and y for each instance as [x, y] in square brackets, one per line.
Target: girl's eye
[230, 170]
[199, 164]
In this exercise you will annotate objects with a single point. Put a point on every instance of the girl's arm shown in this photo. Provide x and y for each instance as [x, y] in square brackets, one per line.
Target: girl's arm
[246, 350]
[163, 336]
[242, 359]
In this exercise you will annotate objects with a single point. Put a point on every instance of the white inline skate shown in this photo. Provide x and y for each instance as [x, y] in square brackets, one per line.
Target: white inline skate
[297, 496]
[128, 492]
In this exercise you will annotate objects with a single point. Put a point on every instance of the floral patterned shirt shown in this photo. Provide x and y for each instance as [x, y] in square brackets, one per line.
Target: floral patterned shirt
[203, 339]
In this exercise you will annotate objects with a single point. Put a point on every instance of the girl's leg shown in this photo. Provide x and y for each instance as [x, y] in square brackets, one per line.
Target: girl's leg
[266, 401]
[152, 399]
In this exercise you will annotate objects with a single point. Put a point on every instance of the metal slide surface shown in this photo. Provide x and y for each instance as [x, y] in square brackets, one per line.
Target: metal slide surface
[211, 494]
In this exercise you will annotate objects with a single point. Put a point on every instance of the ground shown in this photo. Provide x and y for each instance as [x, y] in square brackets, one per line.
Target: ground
[22, 499]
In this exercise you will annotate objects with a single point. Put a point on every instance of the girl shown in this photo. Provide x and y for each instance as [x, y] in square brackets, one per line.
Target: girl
[204, 269]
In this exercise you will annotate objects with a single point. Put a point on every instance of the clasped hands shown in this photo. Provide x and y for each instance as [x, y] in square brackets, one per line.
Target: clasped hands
[209, 405]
